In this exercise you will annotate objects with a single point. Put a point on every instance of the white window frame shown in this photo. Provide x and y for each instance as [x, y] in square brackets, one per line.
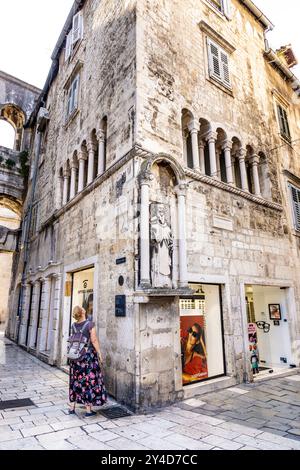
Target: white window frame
[72, 97]
[225, 7]
[295, 200]
[218, 63]
[75, 34]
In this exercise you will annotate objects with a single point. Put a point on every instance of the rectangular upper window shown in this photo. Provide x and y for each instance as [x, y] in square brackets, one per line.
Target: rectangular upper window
[295, 193]
[75, 34]
[218, 62]
[283, 123]
[218, 4]
[72, 101]
[222, 6]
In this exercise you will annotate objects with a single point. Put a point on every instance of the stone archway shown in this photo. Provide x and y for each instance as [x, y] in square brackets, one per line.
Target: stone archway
[14, 115]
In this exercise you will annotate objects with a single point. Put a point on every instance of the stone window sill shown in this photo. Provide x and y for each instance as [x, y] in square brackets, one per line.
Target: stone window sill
[220, 85]
[71, 118]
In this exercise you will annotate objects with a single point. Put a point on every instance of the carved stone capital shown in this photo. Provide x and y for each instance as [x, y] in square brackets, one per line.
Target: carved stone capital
[146, 178]
[254, 160]
[241, 154]
[194, 126]
[100, 134]
[91, 147]
[181, 189]
[211, 137]
[227, 145]
[82, 155]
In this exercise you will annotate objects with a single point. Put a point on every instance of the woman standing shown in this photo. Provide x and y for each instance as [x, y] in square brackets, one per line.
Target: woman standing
[86, 379]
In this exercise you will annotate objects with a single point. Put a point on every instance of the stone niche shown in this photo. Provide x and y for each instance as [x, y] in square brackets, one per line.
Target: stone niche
[163, 223]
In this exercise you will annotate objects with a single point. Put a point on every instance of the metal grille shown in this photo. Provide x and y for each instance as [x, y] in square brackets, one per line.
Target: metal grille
[11, 404]
[115, 412]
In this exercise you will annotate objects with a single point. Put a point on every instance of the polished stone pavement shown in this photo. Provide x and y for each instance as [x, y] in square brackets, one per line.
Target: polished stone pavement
[264, 415]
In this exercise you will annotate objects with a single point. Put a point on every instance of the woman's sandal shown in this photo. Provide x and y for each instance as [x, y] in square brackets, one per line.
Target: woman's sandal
[92, 413]
[71, 412]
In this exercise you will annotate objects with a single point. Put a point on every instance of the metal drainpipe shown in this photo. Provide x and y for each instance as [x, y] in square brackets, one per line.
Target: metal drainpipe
[27, 231]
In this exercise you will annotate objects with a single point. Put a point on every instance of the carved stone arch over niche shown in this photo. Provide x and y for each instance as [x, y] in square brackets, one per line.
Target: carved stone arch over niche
[162, 235]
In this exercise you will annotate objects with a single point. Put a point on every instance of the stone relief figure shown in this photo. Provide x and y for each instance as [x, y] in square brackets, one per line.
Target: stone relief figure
[161, 246]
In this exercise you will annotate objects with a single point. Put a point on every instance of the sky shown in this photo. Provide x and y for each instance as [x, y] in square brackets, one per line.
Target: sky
[30, 28]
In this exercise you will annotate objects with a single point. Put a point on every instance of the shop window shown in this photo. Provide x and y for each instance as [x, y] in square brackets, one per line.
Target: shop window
[83, 291]
[201, 331]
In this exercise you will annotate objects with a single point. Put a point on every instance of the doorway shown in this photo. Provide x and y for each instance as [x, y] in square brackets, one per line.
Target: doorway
[268, 329]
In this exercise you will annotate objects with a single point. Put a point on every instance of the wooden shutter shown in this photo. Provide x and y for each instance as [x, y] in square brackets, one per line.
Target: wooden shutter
[77, 27]
[296, 205]
[75, 92]
[225, 68]
[214, 62]
[218, 63]
[283, 122]
[69, 109]
[68, 45]
[227, 9]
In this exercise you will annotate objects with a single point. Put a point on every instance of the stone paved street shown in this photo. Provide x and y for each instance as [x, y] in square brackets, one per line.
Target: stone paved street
[264, 415]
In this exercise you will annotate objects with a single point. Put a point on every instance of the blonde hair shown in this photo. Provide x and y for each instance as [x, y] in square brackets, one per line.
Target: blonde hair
[77, 312]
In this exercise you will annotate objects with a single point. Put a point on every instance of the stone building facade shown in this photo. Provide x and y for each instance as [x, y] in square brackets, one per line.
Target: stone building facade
[164, 157]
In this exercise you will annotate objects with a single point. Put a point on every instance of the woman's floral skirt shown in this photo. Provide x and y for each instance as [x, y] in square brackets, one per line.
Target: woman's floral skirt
[86, 381]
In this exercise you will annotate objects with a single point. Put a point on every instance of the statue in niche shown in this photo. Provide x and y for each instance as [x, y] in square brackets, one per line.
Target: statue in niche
[161, 246]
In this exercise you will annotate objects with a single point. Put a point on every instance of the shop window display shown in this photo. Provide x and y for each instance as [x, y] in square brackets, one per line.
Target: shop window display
[202, 349]
[83, 290]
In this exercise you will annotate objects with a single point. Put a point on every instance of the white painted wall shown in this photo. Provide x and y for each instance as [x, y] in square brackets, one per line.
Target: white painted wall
[276, 343]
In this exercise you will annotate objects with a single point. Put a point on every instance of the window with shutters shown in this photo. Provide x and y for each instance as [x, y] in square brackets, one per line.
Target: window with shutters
[295, 193]
[74, 35]
[283, 123]
[72, 97]
[218, 4]
[218, 61]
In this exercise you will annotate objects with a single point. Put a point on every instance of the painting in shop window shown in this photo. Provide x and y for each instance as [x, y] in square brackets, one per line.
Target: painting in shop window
[193, 344]
[274, 312]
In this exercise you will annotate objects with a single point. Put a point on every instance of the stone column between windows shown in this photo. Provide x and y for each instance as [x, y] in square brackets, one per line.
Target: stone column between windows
[145, 227]
[34, 314]
[182, 254]
[227, 146]
[60, 191]
[91, 161]
[255, 162]
[243, 171]
[73, 180]
[194, 127]
[184, 146]
[211, 138]
[66, 186]
[55, 326]
[45, 304]
[22, 335]
[202, 156]
[81, 159]
[101, 156]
